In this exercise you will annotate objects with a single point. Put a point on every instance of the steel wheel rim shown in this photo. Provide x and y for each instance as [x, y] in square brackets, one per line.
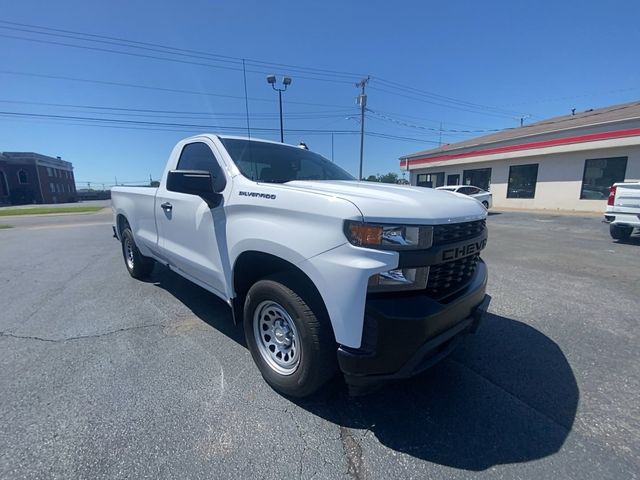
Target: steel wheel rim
[128, 253]
[277, 337]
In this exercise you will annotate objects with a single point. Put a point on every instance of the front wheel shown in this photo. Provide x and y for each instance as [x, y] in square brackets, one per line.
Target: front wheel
[289, 335]
[486, 204]
[619, 232]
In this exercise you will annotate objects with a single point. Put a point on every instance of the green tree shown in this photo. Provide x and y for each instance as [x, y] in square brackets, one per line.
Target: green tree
[390, 177]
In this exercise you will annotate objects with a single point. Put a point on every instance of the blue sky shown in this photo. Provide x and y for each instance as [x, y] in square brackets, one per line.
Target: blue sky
[457, 65]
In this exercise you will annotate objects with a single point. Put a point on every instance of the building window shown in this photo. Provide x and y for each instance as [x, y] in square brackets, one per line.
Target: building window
[4, 185]
[479, 177]
[52, 187]
[49, 172]
[522, 181]
[23, 177]
[600, 174]
[430, 180]
[453, 179]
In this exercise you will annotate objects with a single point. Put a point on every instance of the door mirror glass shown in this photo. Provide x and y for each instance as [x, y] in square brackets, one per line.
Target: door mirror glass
[194, 182]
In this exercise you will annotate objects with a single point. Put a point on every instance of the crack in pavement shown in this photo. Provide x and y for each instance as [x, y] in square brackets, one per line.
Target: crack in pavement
[353, 453]
[48, 295]
[80, 337]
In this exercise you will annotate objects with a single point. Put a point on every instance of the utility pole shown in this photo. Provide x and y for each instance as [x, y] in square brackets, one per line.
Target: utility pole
[362, 101]
[332, 147]
[523, 118]
[440, 139]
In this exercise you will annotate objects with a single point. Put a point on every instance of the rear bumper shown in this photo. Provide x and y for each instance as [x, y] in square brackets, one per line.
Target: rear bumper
[405, 335]
[622, 219]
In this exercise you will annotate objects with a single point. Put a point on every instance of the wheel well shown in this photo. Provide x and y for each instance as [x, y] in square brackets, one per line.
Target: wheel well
[252, 266]
[121, 223]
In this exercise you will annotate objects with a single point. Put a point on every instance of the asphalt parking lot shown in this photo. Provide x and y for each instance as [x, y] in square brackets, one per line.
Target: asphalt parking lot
[104, 376]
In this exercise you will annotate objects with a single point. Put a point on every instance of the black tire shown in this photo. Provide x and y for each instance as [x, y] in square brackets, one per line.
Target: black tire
[619, 232]
[486, 204]
[137, 264]
[317, 349]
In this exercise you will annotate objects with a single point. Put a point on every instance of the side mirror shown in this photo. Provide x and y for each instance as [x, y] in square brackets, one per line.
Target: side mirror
[194, 182]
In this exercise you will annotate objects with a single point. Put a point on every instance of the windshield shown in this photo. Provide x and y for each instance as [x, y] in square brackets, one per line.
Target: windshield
[274, 163]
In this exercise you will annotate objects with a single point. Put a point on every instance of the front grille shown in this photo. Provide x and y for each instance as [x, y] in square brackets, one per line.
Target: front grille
[447, 278]
[456, 232]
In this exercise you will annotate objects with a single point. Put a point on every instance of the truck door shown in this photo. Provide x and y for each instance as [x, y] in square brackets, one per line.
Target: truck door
[190, 233]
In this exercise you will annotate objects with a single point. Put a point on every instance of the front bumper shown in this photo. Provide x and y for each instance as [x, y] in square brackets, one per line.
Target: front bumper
[405, 334]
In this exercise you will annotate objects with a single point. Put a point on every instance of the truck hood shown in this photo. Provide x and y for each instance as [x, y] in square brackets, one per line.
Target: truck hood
[380, 202]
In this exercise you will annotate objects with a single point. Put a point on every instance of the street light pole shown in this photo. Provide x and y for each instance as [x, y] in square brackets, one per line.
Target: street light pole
[281, 126]
[286, 81]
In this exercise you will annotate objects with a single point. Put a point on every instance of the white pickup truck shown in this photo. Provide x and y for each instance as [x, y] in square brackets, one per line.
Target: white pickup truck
[325, 272]
[623, 209]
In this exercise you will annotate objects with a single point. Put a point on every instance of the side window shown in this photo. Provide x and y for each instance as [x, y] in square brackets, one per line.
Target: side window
[198, 156]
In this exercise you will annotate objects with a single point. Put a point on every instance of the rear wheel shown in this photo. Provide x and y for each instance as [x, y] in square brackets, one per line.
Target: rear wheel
[289, 335]
[137, 264]
[619, 232]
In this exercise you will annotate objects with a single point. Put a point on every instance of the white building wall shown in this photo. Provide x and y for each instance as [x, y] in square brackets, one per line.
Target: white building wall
[559, 177]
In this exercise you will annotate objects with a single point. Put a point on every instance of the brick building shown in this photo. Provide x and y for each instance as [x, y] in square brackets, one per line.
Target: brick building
[27, 177]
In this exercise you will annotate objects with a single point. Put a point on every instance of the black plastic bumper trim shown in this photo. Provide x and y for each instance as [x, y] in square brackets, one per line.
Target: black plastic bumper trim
[412, 334]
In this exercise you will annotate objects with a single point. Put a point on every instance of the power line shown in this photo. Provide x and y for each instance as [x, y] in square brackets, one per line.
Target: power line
[399, 137]
[431, 129]
[169, 124]
[237, 66]
[161, 89]
[314, 70]
[439, 97]
[231, 63]
[430, 102]
[147, 112]
[413, 117]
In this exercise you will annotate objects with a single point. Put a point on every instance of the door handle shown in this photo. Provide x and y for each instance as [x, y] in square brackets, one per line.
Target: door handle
[166, 206]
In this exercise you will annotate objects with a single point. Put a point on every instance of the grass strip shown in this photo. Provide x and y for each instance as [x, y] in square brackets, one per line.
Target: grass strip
[10, 212]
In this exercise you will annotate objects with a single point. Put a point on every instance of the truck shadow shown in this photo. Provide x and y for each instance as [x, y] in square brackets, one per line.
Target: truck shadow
[632, 240]
[205, 305]
[506, 395]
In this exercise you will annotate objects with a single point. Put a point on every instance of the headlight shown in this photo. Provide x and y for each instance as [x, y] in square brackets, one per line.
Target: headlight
[400, 279]
[393, 237]
[388, 237]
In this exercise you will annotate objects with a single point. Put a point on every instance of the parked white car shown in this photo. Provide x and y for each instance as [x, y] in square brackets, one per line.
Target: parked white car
[484, 197]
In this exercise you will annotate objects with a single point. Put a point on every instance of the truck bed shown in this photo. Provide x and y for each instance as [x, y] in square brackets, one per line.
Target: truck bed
[139, 203]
